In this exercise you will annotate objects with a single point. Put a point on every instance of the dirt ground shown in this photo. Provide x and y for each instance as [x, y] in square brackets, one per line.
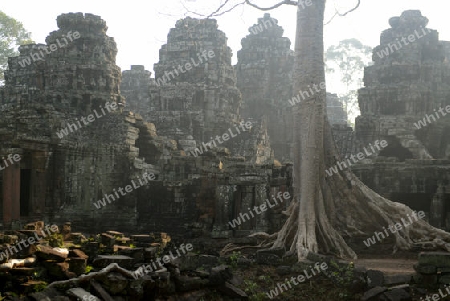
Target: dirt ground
[389, 266]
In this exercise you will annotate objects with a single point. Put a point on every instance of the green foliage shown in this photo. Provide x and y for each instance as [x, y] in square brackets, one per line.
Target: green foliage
[265, 278]
[234, 259]
[250, 287]
[258, 297]
[56, 240]
[12, 34]
[342, 276]
[132, 246]
[88, 269]
[38, 273]
[40, 286]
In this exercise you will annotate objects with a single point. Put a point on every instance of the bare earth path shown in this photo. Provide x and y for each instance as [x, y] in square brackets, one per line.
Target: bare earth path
[387, 265]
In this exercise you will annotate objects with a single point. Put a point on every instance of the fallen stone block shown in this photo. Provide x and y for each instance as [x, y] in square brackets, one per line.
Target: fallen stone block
[115, 234]
[49, 253]
[373, 292]
[270, 256]
[232, 291]
[101, 291]
[23, 271]
[425, 269]
[59, 270]
[77, 265]
[136, 253]
[108, 240]
[437, 259]
[142, 239]
[219, 275]
[81, 294]
[186, 283]
[397, 295]
[397, 279]
[114, 283]
[76, 253]
[77, 238]
[102, 261]
[375, 278]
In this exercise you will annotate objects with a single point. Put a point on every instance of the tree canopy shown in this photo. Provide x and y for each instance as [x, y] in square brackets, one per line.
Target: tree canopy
[12, 35]
[345, 64]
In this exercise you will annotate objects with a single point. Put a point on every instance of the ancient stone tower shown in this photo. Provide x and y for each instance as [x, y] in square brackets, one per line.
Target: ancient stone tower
[264, 77]
[264, 73]
[69, 160]
[406, 81]
[195, 95]
[404, 90]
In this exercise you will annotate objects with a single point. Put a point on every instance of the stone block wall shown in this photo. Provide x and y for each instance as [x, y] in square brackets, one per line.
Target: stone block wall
[407, 81]
[63, 174]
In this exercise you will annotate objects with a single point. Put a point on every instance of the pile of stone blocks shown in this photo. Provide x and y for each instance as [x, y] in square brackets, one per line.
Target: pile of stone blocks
[433, 269]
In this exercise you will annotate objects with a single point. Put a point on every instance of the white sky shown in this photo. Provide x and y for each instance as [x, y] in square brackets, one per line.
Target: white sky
[140, 27]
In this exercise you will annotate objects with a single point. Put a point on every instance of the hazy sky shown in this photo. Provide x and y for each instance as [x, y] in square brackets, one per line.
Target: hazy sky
[141, 27]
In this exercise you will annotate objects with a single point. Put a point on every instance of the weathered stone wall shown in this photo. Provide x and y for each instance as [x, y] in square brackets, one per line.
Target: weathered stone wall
[195, 90]
[406, 84]
[69, 172]
[264, 77]
[201, 194]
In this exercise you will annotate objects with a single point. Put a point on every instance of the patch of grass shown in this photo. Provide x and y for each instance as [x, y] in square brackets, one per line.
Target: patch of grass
[234, 259]
[40, 286]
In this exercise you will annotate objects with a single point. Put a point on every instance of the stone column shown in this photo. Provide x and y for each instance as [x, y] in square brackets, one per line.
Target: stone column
[262, 220]
[437, 208]
[224, 198]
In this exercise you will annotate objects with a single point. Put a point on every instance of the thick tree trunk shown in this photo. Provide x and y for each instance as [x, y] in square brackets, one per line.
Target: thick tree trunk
[324, 209]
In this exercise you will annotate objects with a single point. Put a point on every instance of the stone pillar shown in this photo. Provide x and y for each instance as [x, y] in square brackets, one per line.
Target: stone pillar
[437, 208]
[262, 220]
[224, 198]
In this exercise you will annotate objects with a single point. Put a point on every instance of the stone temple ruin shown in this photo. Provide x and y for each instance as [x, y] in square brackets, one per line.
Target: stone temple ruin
[165, 127]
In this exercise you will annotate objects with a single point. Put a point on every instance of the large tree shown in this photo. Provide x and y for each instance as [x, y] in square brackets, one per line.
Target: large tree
[327, 209]
[344, 66]
[12, 34]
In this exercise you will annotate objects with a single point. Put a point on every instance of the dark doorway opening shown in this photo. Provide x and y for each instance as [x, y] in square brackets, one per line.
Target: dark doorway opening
[25, 191]
[395, 149]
